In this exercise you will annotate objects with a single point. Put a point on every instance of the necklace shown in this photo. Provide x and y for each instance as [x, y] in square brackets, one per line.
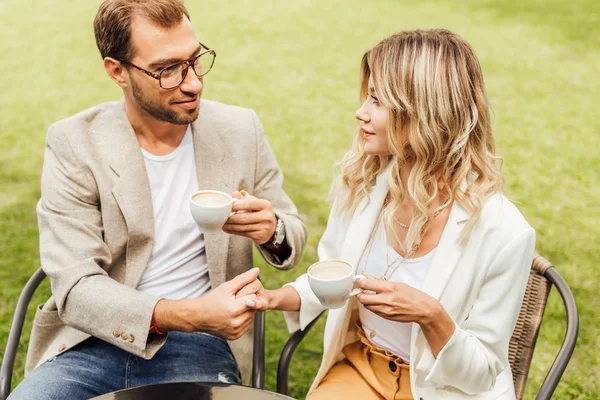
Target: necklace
[405, 226]
[399, 260]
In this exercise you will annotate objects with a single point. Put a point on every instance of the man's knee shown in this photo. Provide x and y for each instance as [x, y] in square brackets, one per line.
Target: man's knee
[53, 380]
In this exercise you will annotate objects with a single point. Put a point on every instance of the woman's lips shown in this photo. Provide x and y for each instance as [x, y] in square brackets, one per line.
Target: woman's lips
[366, 134]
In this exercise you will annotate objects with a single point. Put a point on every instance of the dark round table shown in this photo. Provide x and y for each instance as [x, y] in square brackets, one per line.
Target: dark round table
[192, 390]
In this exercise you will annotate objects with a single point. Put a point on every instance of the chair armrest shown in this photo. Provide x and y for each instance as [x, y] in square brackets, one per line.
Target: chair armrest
[258, 358]
[568, 346]
[14, 335]
[286, 356]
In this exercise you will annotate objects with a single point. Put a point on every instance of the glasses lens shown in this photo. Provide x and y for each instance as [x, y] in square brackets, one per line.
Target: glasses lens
[204, 63]
[172, 76]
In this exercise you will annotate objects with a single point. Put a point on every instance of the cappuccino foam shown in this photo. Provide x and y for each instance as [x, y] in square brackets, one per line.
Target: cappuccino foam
[330, 271]
[210, 199]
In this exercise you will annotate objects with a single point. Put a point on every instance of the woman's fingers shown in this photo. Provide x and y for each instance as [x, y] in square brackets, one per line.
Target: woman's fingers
[372, 283]
[370, 299]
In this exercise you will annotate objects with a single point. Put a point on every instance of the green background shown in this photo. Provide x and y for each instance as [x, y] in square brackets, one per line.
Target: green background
[296, 64]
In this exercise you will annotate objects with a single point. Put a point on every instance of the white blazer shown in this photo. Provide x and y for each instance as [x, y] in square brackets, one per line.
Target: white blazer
[480, 285]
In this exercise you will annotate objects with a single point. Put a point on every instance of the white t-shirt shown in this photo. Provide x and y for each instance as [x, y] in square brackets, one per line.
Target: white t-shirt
[391, 335]
[178, 268]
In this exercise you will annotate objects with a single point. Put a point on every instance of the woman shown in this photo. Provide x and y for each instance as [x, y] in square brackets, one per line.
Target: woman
[418, 209]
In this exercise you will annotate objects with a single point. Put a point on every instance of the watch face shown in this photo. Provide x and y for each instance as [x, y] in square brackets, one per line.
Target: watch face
[280, 233]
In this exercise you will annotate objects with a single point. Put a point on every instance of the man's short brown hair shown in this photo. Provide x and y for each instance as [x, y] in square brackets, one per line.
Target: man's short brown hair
[113, 22]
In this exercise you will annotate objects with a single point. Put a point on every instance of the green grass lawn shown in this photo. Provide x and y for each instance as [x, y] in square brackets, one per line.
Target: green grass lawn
[296, 64]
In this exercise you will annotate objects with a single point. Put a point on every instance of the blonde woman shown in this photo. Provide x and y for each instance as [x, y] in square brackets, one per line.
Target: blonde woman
[418, 209]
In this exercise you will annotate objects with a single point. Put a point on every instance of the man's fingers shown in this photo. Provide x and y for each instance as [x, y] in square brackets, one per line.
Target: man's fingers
[237, 195]
[249, 203]
[246, 324]
[242, 280]
[245, 218]
[234, 228]
[242, 304]
[251, 288]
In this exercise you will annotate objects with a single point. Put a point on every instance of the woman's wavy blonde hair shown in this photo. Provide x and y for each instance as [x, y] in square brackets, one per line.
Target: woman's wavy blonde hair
[432, 83]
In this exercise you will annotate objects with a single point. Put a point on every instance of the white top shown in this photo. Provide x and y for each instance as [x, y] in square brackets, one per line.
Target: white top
[178, 267]
[391, 335]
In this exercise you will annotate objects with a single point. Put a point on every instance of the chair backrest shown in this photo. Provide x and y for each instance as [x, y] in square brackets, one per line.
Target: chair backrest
[522, 342]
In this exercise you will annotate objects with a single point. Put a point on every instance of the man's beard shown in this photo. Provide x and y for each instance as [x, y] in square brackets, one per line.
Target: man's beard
[156, 110]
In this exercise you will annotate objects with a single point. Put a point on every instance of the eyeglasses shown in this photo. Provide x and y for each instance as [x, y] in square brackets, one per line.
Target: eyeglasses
[173, 75]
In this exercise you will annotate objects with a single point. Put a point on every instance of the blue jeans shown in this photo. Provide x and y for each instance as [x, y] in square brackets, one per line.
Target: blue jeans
[95, 367]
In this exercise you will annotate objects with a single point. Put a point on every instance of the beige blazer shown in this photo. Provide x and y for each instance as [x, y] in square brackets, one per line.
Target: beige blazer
[96, 224]
[481, 286]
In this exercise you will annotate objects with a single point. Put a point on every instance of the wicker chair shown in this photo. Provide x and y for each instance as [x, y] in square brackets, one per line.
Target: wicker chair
[522, 343]
[8, 362]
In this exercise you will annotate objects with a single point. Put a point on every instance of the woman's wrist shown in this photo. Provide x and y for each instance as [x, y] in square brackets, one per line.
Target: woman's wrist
[432, 314]
[284, 299]
[437, 326]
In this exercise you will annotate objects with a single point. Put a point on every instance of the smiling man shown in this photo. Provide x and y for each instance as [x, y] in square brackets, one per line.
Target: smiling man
[139, 295]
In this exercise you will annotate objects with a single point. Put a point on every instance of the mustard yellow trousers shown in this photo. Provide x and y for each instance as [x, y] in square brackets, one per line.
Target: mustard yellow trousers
[368, 372]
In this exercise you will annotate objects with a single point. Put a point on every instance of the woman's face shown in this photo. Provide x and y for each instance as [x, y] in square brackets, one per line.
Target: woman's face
[374, 124]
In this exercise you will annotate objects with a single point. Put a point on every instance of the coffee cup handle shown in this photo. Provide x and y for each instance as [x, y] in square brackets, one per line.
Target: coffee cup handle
[356, 291]
[233, 200]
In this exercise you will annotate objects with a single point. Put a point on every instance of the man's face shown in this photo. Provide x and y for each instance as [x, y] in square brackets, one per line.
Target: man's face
[155, 48]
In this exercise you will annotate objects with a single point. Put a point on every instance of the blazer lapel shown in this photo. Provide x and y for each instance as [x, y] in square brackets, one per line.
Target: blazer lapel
[447, 254]
[445, 260]
[213, 174]
[131, 191]
[363, 221]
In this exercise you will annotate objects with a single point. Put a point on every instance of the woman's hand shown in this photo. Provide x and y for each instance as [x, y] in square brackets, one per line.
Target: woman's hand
[396, 301]
[284, 299]
[262, 302]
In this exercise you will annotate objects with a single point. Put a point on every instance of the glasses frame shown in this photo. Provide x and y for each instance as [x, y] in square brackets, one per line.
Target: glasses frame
[189, 63]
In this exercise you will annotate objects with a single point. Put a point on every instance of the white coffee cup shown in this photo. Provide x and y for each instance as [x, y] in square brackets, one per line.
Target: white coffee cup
[211, 209]
[332, 281]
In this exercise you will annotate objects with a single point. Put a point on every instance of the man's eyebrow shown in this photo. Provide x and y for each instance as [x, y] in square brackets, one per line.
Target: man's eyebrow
[168, 61]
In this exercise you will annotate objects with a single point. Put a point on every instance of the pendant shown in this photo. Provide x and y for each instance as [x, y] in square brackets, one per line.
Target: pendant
[372, 334]
[383, 278]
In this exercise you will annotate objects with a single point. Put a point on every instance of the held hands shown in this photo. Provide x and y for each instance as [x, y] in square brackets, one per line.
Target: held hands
[254, 218]
[262, 300]
[396, 301]
[224, 311]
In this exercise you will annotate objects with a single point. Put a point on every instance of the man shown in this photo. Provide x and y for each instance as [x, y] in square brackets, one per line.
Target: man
[126, 261]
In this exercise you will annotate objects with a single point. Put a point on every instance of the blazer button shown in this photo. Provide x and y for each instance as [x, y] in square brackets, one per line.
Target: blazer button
[116, 333]
[131, 338]
[393, 366]
[124, 336]
[62, 348]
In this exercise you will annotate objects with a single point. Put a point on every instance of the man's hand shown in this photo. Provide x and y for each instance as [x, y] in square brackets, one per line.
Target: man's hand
[284, 299]
[262, 302]
[254, 218]
[219, 312]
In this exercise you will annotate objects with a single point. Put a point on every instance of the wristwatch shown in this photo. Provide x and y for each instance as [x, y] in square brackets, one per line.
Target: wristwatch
[279, 235]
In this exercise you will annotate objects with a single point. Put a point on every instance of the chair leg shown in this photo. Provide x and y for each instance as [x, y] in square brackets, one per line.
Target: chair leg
[283, 368]
[258, 358]
[14, 335]
[568, 346]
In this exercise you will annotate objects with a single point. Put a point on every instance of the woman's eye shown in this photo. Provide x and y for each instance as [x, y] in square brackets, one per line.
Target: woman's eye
[375, 99]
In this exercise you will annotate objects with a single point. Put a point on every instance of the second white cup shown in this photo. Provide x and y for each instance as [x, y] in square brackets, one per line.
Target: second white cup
[332, 281]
